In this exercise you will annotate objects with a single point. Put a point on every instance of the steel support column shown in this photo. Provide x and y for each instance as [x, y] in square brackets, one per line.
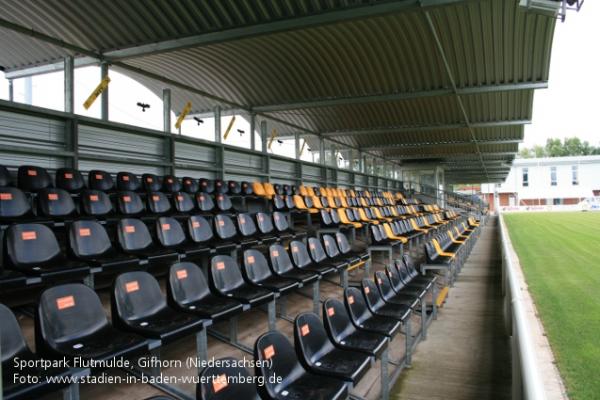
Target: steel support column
[69, 72]
[252, 129]
[218, 124]
[11, 90]
[104, 95]
[263, 135]
[169, 139]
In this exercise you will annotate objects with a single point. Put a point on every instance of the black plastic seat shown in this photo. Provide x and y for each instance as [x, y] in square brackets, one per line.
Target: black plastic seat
[226, 279]
[135, 239]
[247, 229]
[319, 355]
[187, 290]
[171, 184]
[199, 230]
[190, 185]
[69, 179]
[283, 266]
[137, 305]
[100, 180]
[207, 186]
[227, 379]
[70, 322]
[333, 252]
[89, 242]
[234, 187]
[126, 181]
[56, 204]
[345, 335]
[158, 203]
[205, 202]
[5, 178]
[414, 275]
[171, 235]
[378, 306]
[220, 186]
[283, 228]
[279, 203]
[151, 183]
[247, 188]
[363, 318]
[319, 256]
[264, 223]
[130, 204]
[303, 261]
[278, 359]
[14, 205]
[31, 178]
[95, 203]
[417, 287]
[183, 203]
[326, 221]
[16, 350]
[346, 249]
[390, 288]
[224, 203]
[33, 250]
[256, 271]
[225, 232]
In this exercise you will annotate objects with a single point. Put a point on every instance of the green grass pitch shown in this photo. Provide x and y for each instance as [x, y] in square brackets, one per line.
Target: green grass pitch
[560, 256]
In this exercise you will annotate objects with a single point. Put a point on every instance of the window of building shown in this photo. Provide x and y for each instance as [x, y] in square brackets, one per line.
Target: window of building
[575, 175]
[553, 176]
[525, 177]
[557, 202]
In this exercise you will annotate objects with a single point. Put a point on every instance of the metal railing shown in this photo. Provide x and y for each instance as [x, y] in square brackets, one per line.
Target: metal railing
[526, 376]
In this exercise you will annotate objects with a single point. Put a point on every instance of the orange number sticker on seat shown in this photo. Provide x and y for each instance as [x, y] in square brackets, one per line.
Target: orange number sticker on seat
[85, 232]
[68, 175]
[367, 290]
[312, 246]
[155, 198]
[6, 196]
[221, 222]
[99, 176]
[93, 197]
[295, 249]
[331, 311]
[31, 172]
[127, 199]
[242, 220]
[125, 178]
[269, 352]
[250, 259]
[261, 218]
[29, 235]
[275, 253]
[220, 265]
[65, 302]
[181, 274]
[169, 180]
[305, 330]
[149, 180]
[350, 299]
[219, 383]
[166, 227]
[131, 287]
[52, 196]
[179, 198]
[130, 229]
[195, 224]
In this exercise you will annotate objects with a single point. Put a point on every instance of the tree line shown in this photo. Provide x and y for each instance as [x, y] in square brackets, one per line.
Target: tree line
[560, 148]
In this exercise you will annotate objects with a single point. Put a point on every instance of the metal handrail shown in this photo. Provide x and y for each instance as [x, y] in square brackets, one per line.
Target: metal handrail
[527, 379]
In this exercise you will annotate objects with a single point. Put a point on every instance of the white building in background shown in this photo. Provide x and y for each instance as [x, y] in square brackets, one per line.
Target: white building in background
[546, 181]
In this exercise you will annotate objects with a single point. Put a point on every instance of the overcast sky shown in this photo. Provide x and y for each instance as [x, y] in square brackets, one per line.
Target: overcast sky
[569, 106]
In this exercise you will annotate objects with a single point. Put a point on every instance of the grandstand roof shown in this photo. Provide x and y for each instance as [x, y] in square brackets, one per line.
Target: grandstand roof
[447, 81]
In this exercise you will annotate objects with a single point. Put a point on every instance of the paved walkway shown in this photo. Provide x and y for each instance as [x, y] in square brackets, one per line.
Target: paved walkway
[466, 355]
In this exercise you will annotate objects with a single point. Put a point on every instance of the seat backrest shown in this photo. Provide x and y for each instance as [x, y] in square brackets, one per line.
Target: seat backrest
[277, 359]
[331, 247]
[287, 190]
[335, 218]
[88, 239]
[129, 203]
[12, 341]
[128, 181]
[169, 232]
[343, 243]
[281, 222]
[5, 178]
[393, 278]
[199, 229]
[264, 223]
[278, 189]
[256, 267]
[190, 185]
[356, 305]
[371, 294]
[69, 179]
[223, 202]
[326, 218]
[377, 236]
[234, 187]
[409, 263]
[278, 202]
[226, 379]
[300, 254]
[13, 203]
[310, 337]
[220, 186]
[246, 225]
[171, 184]
[207, 185]
[55, 203]
[133, 235]
[31, 178]
[182, 202]
[205, 202]
[100, 180]
[224, 227]
[289, 202]
[187, 284]
[280, 259]
[225, 274]
[402, 271]
[151, 183]
[317, 252]
[135, 295]
[247, 188]
[158, 203]
[95, 203]
[66, 313]
[336, 320]
[30, 244]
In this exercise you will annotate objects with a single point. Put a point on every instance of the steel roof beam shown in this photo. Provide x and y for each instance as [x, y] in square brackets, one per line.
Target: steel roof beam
[341, 101]
[440, 144]
[443, 156]
[427, 128]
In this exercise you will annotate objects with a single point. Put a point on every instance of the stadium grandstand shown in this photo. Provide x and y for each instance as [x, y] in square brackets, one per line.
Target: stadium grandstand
[148, 263]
